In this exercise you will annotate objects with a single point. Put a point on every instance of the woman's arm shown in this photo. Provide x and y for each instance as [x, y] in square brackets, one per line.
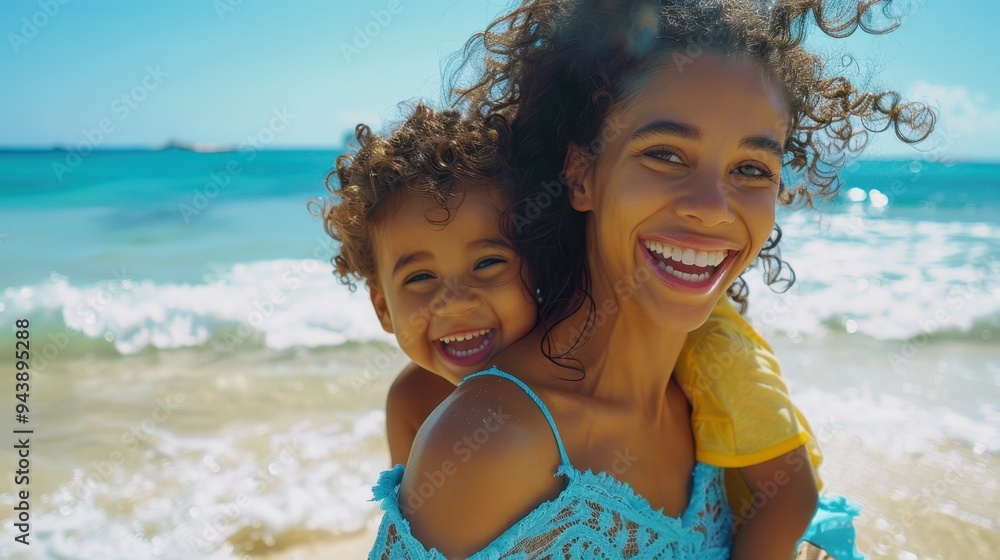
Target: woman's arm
[785, 498]
[413, 395]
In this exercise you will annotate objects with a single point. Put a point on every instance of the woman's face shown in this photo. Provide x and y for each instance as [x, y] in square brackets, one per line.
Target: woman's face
[682, 193]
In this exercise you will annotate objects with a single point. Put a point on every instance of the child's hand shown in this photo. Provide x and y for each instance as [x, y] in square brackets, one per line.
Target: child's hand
[414, 394]
[810, 552]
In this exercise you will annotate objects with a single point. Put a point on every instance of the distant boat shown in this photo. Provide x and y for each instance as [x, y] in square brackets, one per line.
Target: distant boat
[194, 147]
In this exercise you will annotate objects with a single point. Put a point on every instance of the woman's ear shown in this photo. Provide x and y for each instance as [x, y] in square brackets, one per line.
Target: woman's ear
[381, 309]
[575, 167]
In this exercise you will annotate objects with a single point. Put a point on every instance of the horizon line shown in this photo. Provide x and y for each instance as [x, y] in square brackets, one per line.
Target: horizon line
[209, 148]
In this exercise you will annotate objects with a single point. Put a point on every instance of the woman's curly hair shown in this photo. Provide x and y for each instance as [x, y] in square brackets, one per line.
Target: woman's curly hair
[556, 69]
[429, 154]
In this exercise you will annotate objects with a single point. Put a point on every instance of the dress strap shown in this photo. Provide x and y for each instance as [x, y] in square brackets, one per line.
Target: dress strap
[548, 416]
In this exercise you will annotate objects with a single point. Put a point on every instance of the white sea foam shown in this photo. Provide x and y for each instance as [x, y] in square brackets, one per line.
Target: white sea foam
[890, 280]
[285, 302]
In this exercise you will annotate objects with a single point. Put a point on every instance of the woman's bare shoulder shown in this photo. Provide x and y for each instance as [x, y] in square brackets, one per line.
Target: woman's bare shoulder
[482, 461]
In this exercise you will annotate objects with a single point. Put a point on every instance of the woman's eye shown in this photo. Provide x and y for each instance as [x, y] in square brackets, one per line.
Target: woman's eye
[418, 278]
[665, 155]
[488, 262]
[755, 171]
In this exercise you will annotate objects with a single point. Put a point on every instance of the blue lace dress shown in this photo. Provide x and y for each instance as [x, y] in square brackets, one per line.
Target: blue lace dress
[594, 517]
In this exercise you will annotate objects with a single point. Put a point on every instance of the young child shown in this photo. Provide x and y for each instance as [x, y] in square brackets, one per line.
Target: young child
[418, 220]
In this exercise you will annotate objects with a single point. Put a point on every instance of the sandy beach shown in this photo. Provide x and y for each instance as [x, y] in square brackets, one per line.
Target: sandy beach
[346, 547]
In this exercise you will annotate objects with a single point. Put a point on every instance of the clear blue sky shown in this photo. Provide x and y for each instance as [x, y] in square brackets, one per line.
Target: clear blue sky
[215, 71]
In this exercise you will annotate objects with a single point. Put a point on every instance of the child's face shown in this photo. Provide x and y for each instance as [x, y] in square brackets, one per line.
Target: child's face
[451, 294]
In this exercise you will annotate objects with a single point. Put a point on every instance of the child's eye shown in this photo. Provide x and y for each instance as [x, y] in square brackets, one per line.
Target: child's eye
[418, 278]
[490, 261]
[753, 170]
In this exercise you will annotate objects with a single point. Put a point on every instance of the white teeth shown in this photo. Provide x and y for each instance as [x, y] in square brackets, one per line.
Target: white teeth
[684, 275]
[463, 353]
[466, 336]
[687, 256]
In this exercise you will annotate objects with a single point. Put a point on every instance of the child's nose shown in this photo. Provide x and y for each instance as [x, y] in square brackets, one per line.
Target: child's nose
[456, 297]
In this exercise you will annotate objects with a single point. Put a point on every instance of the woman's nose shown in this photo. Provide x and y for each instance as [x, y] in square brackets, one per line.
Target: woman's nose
[706, 201]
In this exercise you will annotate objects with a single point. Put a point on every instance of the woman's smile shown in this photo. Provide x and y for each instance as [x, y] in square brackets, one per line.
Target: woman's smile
[686, 268]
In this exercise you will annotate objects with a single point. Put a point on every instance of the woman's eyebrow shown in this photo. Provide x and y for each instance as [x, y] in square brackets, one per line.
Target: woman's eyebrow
[672, 128]
[767, 144]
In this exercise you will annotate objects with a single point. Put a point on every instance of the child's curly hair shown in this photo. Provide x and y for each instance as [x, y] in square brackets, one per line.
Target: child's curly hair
[427, 155]
[556, 69]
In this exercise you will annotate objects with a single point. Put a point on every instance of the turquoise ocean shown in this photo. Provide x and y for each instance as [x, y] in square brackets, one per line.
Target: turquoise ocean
[202, 387]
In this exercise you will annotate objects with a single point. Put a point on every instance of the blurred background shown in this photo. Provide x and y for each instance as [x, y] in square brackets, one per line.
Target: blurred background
[202, 387]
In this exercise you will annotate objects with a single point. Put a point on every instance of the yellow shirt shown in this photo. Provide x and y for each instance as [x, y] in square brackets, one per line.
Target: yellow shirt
[741, 412]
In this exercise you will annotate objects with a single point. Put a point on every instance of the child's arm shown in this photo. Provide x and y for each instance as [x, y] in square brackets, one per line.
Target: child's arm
[744, 420]
[785, 499]
[414, 394]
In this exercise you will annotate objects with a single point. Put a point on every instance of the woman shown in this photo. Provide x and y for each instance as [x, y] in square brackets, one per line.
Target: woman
[638, 129]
